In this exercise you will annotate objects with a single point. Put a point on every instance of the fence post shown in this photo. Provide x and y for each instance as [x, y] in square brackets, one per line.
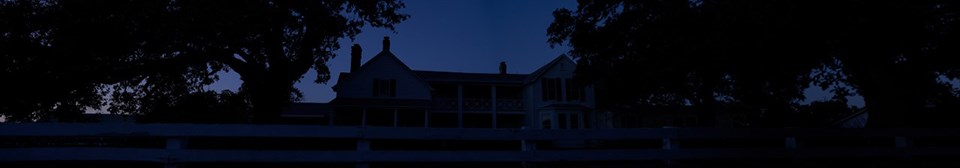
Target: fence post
[363, 145]
[668, 145]
[902, 142]
[174, 144]
[790, 143]
[526, 146]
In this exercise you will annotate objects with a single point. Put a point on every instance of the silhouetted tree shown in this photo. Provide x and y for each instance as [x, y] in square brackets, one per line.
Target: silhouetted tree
[56, 57]
[154, 53]
[271, 44]
[697, 53]
[894, 52]
[759, 55]
[201, 107]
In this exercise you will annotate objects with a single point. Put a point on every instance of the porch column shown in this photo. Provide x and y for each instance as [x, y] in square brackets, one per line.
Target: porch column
[459, 106]
[395, 123]
[554, 120]
[426, 119]
[493, 100]
[332, 114]
[173, 144]
[363, 145]
[580, 119]
[363, 117]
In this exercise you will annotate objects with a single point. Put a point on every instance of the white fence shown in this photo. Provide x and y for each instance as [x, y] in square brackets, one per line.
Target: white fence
[532, 144]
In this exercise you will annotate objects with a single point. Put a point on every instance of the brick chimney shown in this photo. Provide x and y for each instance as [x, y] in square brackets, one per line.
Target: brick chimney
[503, 67]
[355, 55]
[386, 43]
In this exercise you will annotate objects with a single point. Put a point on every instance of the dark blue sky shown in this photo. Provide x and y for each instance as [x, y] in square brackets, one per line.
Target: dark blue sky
[462, 36]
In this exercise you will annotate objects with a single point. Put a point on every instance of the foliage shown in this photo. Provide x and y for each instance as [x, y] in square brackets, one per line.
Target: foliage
[759, 56]
[149, 55]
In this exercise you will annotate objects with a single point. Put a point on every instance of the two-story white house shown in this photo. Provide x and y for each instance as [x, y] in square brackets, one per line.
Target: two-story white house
[386, 92]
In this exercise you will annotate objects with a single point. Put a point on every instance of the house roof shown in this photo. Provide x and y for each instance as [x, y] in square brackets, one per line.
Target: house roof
[382, 55]
[543, 69]
[437, 76]
[460, 77]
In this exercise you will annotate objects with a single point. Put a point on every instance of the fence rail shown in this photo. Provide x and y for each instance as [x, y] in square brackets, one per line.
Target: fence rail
[532, 144]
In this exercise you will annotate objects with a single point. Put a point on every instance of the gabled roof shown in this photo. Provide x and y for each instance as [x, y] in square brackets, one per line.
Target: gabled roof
[543, 69]
[387, 55]
[437, 76]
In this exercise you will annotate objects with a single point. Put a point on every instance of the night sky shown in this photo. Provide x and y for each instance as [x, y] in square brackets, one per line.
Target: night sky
[460, 36]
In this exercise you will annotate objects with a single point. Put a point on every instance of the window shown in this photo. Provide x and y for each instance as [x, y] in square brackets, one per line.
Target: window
[563, 120]
[546, 120]
[385, 87]
[574, 120]
[551, 89]
[575, 91]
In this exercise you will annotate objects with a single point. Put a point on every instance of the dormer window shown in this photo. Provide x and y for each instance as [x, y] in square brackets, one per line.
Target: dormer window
[384, 87]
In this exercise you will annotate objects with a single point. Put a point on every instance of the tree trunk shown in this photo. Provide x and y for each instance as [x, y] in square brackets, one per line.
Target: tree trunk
[268, 97]
[893, 100]
[883, 109]
[707, 107]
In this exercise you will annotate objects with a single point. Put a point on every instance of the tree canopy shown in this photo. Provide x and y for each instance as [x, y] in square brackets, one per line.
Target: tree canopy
[757, 57]
[63, 56]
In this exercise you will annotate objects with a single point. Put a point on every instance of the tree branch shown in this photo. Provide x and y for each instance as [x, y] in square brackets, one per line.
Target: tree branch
[237, 65]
